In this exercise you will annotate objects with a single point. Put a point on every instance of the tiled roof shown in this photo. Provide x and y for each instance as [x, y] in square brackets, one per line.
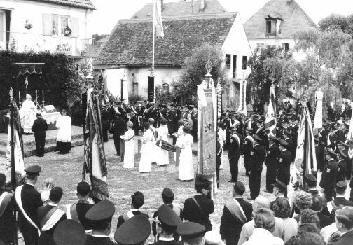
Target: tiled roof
[181, 8]
[85, 4]
[294, 19]
[130, 44]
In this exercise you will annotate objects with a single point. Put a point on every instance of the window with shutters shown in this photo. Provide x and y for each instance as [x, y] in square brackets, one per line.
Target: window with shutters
[54, 25]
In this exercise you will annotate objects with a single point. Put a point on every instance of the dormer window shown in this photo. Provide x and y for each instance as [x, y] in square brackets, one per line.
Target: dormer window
[273, 26]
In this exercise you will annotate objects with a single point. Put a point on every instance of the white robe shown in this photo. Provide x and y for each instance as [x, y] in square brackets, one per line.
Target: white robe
[163, 154]
[64, 129]
[186, 166]
[128, 138]
[27, 115]
[146, 152]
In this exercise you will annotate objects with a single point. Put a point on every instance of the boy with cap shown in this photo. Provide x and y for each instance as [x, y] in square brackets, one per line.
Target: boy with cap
[192, 233]
[135, 231]
[28, 200]
[7, 218]
[167, 224]
[39, 129]
[78, 210]
[101, 216]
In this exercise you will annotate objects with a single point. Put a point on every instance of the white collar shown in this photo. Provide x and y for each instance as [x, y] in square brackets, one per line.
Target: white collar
[50, 203]
[166, 239]
[30, 184]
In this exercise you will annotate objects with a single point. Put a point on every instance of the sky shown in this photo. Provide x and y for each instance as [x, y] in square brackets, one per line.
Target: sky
[108, 12]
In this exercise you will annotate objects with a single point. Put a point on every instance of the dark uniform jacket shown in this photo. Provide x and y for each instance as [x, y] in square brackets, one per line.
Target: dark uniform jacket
[78, 212]
[123, 218]
[42, 217]
[31, 201]
[234, 150]
[231, 225]
[285, 159]
[7, 218]
[39, 128]
[199, 211]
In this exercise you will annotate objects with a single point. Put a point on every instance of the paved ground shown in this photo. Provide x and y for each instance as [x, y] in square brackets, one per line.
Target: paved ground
[66, 171]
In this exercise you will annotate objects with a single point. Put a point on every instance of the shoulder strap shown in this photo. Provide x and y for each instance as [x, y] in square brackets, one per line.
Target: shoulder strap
[51, 218]
[3, 204]
[200, 208]
[18, 199]
[236, 210]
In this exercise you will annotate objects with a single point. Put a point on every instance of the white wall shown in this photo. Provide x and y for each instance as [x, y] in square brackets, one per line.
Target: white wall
[34, 39]
[112, 79]
[254, 43]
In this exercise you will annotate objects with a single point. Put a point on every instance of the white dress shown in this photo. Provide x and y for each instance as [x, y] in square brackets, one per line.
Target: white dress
[163, 154]
[146, 152]
[64, 129]
[186, 166]
[129, 155]
[155, 148]
[27, 115]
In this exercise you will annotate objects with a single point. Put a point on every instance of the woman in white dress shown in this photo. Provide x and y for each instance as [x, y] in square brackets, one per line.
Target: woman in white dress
[128, 138]
[63, 138]
[146, 150]
[186, 166]
[163, 135]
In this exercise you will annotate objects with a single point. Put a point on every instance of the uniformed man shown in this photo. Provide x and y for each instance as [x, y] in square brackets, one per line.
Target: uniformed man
[192, 233]
[28, 200]
[78, 210]
[167, 225]
[248, 152]
[101, 216]
[329, 179]
[233, 156]
[135, 231]
[39, 129]
[284, 161]
[119, 128]
[7, 218]
[271, 163]
[69, 232]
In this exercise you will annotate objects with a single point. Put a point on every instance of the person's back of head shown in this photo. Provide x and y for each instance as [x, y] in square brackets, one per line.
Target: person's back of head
[137, 200]
[344, 218]
[319, 203]
[167, 196]
[308, 227]
[309, 216]
[303, 200]
[83, 189]
[306, 238]
[281, 207]
[261, 202]
[264, 219]
[56, 194]
[238, 188]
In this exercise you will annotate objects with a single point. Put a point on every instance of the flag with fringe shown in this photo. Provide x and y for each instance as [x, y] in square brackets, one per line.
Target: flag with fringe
[95, 162]
[18, 143]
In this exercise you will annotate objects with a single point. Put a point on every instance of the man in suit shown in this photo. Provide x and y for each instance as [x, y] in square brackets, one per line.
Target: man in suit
[119, 128]
[28, 200]
[199, 207]
[329, 178]
[79, 209]
[101, 216]
[39, 129]
[236, 212]
[340, 200]
[271, 162]
[344, 223]
[258, 154]
[233, 156]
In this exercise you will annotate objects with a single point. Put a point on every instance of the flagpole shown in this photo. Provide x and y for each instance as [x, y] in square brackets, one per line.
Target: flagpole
[13, 170]
[153, 35]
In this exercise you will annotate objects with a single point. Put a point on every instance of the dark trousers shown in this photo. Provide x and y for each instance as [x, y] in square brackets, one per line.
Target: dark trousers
[117, 144]
[40, 143]
[218, 164]
[246, 164]
[255, 183]
[30, 235]
[271, 174]
[105, 134]
[233, 167]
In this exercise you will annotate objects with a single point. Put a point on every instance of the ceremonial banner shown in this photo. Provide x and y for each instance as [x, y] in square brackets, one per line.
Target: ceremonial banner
[270, 119]
[95, 162]
[242, 99]
[318, 112]
[157, 18]
[350, 132]
[18, 143]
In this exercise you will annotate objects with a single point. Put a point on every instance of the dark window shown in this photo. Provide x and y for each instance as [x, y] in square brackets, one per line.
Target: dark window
[244, 62]
[285, 46]
[271, 27]
[234, 66]
[228, 61]
[268, 27]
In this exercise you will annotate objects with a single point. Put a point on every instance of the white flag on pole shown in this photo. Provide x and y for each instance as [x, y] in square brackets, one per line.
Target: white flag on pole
[157, 18]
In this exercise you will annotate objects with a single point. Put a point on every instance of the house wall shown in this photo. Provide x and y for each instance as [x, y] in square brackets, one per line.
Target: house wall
[112, 79]
[34, 39]
[263, 42]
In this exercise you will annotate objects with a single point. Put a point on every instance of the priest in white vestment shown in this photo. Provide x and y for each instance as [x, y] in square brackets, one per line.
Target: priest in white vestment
[28, 114]
[63, 138]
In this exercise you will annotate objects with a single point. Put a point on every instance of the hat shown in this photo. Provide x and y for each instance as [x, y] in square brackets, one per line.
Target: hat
[33, 170]
[101, 211]
[310, 180]
[69, 232]
[134, 231]
[280, 185]
[189, 230]
[167, 216]
[239, 188]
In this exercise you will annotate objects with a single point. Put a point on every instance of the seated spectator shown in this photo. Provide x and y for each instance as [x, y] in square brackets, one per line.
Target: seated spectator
[248, 228]
[198, 208]
[306, 238]
[302, 200]
[318, 206]
[236, 212]
[282, 209]
[48, 185]
[137, 201]
[308, 216]
[344, 223]
[264, 221]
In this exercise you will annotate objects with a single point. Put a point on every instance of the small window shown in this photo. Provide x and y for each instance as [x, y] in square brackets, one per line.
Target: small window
[285, 46]
[234, 66]
[64, 24]
[268, 27]
[244, 62]
[271, 27]
[228, 61]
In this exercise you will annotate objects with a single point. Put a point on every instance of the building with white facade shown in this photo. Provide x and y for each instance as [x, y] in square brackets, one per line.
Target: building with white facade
[276, 23]
[126, 58]
[45, 25]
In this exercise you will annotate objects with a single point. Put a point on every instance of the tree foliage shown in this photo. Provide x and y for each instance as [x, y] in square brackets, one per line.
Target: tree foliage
[195, 71]
[337, 22]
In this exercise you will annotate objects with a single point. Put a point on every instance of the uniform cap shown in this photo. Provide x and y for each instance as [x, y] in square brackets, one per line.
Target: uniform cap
[69, 232]
[101, 211]
[134, 231]
[167, 216]
[33, 169]
[189, 230]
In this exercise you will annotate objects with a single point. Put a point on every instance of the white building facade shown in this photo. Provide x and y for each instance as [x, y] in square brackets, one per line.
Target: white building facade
[55, 26]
